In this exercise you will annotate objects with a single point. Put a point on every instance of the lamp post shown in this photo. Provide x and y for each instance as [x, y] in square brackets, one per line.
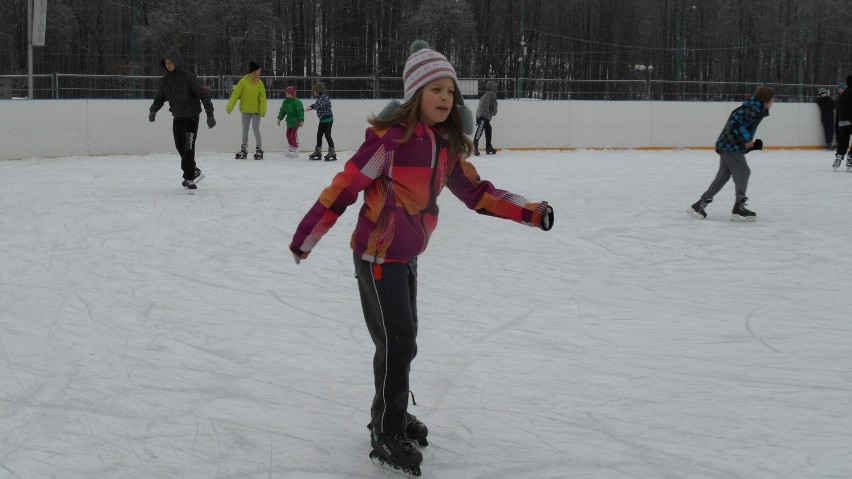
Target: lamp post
[649, 69]
[679, 41]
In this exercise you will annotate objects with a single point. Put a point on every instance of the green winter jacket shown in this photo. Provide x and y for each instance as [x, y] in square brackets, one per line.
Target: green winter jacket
[252, 97]
[292, 109]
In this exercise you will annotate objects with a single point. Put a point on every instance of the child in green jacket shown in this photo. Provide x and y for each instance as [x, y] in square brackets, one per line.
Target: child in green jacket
[294, 112]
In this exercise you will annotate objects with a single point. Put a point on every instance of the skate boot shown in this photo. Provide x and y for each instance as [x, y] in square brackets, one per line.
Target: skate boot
[243, 154]
[838, 159]
[331, 155]
[741, 213]
[316, 155]
[697, 208]
[190, 186]
[415, 430]
[475, 151]
[395, 452]
[849, 162]
[293, 152]
[258, 153]
[489, 150]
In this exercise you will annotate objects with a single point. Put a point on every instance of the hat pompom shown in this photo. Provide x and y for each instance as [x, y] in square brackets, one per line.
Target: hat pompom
[467, 119]
[390, 110]
[418, 45]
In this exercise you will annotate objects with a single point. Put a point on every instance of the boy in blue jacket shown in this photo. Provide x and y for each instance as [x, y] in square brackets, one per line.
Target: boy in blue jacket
[737, 139]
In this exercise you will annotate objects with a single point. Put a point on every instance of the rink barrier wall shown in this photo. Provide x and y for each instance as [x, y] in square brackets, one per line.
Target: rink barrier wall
[58, 128]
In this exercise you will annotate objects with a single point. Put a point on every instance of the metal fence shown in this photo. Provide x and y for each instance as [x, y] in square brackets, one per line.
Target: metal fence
[72, 86]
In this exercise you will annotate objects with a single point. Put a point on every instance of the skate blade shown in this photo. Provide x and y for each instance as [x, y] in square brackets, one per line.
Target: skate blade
[197, 180]
[381, 461]
[743, 219]
[695, 214]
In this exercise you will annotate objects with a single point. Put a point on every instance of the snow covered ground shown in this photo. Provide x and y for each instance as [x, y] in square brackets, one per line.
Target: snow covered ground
[147, 333]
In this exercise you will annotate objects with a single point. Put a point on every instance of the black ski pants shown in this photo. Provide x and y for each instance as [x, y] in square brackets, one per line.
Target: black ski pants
[482, 125]
[843, 134]
[389, 300]
[324, 129]
[185, 131]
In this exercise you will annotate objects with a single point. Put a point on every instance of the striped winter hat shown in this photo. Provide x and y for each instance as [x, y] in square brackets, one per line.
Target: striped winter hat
[424, 66]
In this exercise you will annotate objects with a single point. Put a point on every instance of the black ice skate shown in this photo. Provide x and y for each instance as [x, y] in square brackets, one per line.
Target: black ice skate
[415, 430]
[475, 151]
[741, 213]
[316, 155]
[849, 162]
[838, 159]
[330, 156]
[190, 186]
[243, 153]
[489, 150]
[697, 208]
[258, 153]
[395, 452]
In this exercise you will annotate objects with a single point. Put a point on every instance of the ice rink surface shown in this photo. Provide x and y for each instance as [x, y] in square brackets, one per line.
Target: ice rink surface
[147, 333]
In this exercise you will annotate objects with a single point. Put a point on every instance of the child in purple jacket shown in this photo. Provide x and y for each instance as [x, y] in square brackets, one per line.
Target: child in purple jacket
[412, 151]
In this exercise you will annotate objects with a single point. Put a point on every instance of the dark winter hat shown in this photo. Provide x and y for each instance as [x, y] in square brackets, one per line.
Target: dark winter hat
[841, 85]
[253, 67]
[424, 66]
[823, 91]
[291, 90]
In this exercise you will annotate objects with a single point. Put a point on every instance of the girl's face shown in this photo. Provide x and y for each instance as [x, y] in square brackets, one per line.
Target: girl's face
[255, 74]
[436, 101]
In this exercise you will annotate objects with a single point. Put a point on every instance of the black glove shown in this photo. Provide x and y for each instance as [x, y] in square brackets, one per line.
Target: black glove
[211, 122]
[547, 218]
[758, 145]
[152, 115]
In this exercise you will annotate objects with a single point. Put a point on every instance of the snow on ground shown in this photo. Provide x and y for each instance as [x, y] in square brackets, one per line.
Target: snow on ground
[147, 333]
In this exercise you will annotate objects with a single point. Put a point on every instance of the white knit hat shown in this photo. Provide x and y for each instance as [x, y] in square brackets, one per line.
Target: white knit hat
[424, 66]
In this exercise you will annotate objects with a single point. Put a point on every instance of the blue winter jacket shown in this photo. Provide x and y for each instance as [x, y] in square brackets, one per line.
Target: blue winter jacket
[741, 126]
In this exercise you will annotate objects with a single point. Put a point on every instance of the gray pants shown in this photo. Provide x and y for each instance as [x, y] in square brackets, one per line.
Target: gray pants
[254, 119]
[732, 164]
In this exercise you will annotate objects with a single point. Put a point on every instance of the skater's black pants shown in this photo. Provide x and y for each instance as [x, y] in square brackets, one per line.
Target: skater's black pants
[185, 131]
[389, 300]
[482, 125]
[732, 164]
[324, 129]
[843, 133]
[828, 128]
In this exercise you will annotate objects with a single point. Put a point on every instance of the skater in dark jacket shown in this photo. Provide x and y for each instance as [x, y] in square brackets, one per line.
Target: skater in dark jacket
[185, 95]
[486, 110]
[411, 152]
[737, 139]
[844, 125]
[826, 116]
[326, 120]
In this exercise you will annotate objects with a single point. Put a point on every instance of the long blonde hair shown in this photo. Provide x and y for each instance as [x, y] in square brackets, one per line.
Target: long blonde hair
[409, 113]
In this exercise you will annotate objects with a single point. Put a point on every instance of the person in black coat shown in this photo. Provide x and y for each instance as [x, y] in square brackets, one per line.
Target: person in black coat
[844, 125]
[185, 95]
[826, 115]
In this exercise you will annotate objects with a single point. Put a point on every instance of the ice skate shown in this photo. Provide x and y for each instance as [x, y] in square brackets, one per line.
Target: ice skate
[741, 213]
[489, 150]
[258, 154]
[242, 154]
[316, 155]
[475, 151]
[849, 162]
[415, 430]
[838, 159]
[395, 452]
[331, 155]
[189, 186]
[697, 208]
